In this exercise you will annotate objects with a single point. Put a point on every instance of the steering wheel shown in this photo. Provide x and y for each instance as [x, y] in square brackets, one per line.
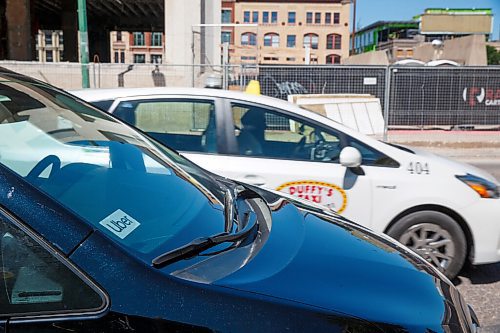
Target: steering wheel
[44, 163]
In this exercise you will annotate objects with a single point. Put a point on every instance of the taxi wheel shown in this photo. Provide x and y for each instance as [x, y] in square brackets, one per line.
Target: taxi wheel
[434, 236]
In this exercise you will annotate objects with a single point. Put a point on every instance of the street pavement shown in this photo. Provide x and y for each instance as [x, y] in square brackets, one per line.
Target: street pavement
[480, 286]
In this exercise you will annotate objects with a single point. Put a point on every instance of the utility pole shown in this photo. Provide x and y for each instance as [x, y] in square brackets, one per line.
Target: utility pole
[84, 42]
[353, 28]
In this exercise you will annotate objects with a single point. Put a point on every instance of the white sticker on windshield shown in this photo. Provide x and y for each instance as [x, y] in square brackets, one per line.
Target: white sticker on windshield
[120, 223]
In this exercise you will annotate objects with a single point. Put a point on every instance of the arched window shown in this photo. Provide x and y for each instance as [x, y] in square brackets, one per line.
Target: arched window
[334, 42]
[248, 38]
[311, 40]
[333, 59]
[272, 39]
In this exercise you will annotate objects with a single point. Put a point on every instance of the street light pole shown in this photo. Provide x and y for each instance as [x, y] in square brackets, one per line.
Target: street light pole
[353, 45]
[84, 42]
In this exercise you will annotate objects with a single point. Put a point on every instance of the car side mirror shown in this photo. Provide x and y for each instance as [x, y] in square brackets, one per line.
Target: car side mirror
[350, 157]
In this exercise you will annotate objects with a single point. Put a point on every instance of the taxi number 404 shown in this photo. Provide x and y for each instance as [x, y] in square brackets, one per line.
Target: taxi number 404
[418, 168]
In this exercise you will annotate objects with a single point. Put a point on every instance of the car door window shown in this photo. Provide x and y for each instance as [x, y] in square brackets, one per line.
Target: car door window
[372, 157]
[34, 281]
[267, 133]
[182, 124]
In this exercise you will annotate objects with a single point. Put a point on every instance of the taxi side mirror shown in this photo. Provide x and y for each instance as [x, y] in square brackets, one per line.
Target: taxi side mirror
[350, 157]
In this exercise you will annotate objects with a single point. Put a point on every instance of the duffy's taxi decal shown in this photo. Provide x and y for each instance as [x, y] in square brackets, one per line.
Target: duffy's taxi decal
[325, 194]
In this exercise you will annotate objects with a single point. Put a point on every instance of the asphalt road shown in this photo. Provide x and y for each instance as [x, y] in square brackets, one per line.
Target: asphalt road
[490, 166]
[480, 286]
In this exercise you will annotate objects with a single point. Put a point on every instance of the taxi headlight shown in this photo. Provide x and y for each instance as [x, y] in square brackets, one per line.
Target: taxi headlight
[483, 187]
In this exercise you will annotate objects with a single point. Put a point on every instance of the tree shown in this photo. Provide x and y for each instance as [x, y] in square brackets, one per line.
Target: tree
[493, 55]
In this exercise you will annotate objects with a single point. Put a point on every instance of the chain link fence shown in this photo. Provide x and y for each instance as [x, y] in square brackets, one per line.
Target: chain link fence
[108, 75]
[440, 105]
[437, 107]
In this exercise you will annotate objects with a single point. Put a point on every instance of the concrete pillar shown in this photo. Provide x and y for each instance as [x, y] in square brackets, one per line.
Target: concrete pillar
[69, 26]
[213, 34]
[181, 18]
[19, 40]
[3, 31]
[98, 42]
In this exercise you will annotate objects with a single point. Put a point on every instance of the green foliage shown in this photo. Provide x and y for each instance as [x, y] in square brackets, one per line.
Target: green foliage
[493, 55]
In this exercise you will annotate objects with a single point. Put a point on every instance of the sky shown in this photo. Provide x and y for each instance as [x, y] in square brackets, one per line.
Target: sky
[370, 11]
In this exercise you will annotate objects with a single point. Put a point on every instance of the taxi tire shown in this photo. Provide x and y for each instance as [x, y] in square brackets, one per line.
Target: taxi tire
[443, 221]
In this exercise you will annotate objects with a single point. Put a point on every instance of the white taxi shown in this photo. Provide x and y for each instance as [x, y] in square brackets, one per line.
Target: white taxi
[448, 212]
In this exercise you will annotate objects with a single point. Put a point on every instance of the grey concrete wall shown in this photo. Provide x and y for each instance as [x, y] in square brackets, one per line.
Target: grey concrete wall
[368, 58]
[468, 51]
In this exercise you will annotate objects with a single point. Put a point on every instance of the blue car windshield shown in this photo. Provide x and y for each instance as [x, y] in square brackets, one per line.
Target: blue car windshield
[141, 194]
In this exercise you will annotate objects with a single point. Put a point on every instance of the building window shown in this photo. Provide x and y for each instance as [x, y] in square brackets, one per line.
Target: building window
[248, 58]
[309, 17]
[311, 40]
[274, 17]
[246, 17]
[139, 59]
[156, 39]
[122, 57]
[49, 56]
[248, 38]
[272, 39]
[156, 58]
[336, 18]
[265, 17]
[328, 18]
[226, 37]
[290, 41]
[317, 18]
[118, 36]
[226, 16]
[255, 17]
[334, 41]
[333, 59]
[116, 59]
[290, 58]
[48, 38]
[139, 38]
[291, 17]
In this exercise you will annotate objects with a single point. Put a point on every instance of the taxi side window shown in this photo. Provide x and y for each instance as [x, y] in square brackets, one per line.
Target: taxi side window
[372, 157]
[262, 132]
[34, 281]
[182, 124]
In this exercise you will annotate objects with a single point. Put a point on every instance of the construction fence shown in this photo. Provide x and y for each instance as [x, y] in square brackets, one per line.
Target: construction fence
[424, 99]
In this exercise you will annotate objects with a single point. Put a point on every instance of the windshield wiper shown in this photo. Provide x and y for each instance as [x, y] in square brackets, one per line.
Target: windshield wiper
[201, 244]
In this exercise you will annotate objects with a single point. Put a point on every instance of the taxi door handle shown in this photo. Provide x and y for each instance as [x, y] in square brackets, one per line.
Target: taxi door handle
[253, 180]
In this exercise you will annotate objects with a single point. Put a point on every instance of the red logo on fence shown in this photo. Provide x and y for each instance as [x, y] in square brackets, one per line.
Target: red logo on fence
[476, 95]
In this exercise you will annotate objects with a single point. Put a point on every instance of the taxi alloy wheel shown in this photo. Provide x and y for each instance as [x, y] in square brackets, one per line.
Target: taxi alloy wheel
[436, 237]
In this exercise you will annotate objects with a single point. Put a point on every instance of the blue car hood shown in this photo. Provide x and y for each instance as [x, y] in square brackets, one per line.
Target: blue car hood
[344, 268]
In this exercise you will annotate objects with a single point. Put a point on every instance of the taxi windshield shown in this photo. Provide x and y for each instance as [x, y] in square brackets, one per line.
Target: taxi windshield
[137, 192]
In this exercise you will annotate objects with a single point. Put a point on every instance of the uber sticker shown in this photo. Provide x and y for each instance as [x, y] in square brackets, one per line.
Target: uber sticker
[120, 224]
[322, 193]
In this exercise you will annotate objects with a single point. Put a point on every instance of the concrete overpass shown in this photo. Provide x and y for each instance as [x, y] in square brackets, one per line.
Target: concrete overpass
[21, 19]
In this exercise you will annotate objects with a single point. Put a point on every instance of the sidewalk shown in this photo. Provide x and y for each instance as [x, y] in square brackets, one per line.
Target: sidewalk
[467, 146]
